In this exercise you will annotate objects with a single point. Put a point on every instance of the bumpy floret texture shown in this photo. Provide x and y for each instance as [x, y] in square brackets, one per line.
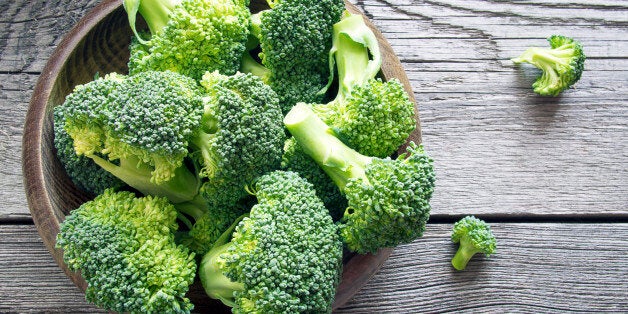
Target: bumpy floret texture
[287, 253]
[153, 118]
[247, 137]
[200, 36]
[392, 206]
[124, 247]
[375, 119]
[296, 160]
[476, 233]
[295, 38]
[82, 170]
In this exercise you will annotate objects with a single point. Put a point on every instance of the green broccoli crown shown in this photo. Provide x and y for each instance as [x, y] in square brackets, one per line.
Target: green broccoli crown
[562, 64]
[286, 256]
[137, 129]
[475, 236]
[241, 135]
[375, 119]
[155, 116]
[190, 36]
[124, 247]
[388, 200]
[83, 172]
[296, 160]
[390, 205]
[295, 38]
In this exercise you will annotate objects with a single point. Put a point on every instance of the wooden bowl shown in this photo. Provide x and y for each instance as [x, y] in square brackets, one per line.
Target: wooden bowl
[99, 44]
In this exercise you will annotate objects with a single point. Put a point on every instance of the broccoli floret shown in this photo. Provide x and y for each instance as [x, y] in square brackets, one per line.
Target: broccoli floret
[285, 257]
[294, 37]
[189, 36]
[124, 248]
[562, 64]
[241, 135]
[388, 200]
[83, 172]
[475, 236]
[142, 129]
[296, 160]
[369, 115]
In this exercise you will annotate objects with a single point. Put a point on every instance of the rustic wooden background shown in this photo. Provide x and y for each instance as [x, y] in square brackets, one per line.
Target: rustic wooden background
[550, 174]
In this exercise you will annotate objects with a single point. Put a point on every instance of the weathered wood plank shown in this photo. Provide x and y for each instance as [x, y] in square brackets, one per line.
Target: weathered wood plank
[538, 268]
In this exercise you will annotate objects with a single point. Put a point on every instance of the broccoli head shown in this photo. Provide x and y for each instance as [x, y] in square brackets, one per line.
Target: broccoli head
[189, 36]
[388, 200]
[83, 172]
[475, 236]
[140, 130]
[285, 257]
[241, 135]
[294, 37]
[562, 64]
[124, 248]
[369, 115]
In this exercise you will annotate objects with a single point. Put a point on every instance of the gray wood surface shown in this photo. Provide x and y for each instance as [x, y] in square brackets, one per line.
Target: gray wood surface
[553, 171]
[538, 267]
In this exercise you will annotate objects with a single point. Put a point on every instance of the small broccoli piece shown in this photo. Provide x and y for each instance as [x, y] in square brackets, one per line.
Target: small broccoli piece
[562, 64]
[371, 116]
[189, 36]
[140, 132]
[296, 160]
[475, 236]
[83, 172]
[241, 135]
[294, 37]
[388, 200]
[285, 257]
[124, 248]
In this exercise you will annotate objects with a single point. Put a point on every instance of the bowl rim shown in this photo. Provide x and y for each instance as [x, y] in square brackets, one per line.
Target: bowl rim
[359, 268]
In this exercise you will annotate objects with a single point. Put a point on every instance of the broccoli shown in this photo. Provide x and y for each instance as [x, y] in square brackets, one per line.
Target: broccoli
[388, 200]
[140, 131]
[285, 257]
[83, 172]
[294, 38]
[124, 248]
[241, 135]
[562, 64]
[369, 115]
[189, 36]
[475, 236]
[296, 160]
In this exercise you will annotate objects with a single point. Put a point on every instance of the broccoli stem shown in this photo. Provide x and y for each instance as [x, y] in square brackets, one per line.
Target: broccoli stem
[182, 187]
[203, 143]
[463, 255]
[318, 141]
[195, 208]
[250, 65]
[156, 13]
[215, 283]
[354, 44]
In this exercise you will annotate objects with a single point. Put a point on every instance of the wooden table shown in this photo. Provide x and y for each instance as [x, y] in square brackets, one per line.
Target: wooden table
[549, 174]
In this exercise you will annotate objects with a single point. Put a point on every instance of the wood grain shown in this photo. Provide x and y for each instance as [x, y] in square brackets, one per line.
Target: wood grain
[537, 268]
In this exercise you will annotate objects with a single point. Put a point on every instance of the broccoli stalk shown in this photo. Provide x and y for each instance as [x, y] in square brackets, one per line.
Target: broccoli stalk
[156, 13]
[388, 200]
[562, 64]
[355, 52]
[475, 236]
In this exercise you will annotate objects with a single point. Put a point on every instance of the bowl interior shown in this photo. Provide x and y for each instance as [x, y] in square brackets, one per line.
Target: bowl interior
[98, 45]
